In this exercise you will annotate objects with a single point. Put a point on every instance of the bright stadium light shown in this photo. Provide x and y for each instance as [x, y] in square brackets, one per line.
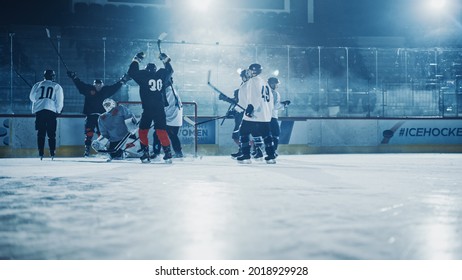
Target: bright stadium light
[200, 5]
[437, 5]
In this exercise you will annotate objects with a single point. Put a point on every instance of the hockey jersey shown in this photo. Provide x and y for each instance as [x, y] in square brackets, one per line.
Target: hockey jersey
[257, 92]
[47, 95]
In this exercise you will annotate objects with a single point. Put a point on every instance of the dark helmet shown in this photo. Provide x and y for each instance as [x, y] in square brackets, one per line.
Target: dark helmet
[49, 75]
[255, 68]
[97, 81]
[273, 81]
[151, 67]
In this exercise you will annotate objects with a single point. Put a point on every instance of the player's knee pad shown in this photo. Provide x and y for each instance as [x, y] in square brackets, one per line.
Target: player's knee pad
[163, 137]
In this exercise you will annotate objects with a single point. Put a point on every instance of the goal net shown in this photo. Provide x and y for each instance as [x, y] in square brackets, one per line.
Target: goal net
[188, 131]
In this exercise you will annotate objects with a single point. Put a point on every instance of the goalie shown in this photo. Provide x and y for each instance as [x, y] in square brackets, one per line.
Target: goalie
[115, 125]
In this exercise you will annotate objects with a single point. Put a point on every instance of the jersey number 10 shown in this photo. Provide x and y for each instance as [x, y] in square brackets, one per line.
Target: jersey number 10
[46, 93]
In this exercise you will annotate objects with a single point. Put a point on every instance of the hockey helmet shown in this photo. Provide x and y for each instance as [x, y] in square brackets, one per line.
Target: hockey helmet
[255, 68]
[109, 104]
[272, 82]
[245, 75]
[151, 67]
[49, 75]
[97, 81]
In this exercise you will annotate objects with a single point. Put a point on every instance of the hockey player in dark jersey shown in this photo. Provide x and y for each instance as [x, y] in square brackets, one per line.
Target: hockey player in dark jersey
[92, 108]
[236, 112]
[152, 94]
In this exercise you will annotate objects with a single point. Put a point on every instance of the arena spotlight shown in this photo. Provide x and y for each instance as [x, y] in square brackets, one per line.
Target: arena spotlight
[200, 5]
[276, 73]
[437, 5]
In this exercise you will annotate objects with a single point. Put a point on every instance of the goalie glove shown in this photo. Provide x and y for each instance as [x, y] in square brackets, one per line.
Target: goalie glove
[249, 111]
[139, 57]
[164, 58]
[132, 125]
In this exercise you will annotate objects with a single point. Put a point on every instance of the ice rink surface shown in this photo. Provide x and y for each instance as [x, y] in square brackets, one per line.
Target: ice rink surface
[305, 207]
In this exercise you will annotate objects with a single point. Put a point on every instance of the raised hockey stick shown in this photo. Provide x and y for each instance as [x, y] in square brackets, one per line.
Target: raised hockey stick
[219, 91]
[160, 39]
[56, 50]
[22, 78]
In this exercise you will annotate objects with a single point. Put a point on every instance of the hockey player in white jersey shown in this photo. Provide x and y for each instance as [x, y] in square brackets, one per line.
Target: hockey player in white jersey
[47, 103]
[255, 95]
[114, 125]
[275, 130]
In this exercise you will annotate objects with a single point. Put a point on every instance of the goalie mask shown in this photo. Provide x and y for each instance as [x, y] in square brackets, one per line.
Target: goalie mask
[109, 104]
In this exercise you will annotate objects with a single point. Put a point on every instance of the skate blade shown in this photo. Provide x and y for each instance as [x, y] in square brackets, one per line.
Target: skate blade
[271, 161]
[168, 161]
[245, 161]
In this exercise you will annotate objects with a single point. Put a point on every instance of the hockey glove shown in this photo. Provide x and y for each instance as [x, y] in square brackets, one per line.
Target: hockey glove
[125, 78]
[71, 75]
[139, 56]
[230, 114]
[164, 58]
[249, 111]
[285, 103]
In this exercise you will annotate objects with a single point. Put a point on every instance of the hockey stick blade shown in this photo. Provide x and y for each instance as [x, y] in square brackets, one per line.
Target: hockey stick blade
[48, 33]
[160, 39]
[208, 77]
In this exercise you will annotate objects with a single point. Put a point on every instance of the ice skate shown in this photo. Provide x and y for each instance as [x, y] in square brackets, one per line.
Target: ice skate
[258, 155]
[236, 155]
[167, 154]
[244, 159]
[145, 158]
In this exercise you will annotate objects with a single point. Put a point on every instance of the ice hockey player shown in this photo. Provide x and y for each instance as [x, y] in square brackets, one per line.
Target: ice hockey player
[152, 95]
[174, 119]
[255, 95]
[115, 124]
[235, 111]
[275, 130]
[94, 95]
[47, 103]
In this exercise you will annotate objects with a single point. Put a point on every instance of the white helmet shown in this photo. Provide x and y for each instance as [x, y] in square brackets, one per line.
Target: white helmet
[109, 104]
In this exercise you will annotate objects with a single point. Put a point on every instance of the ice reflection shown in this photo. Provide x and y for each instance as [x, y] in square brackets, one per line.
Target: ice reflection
[440, 236]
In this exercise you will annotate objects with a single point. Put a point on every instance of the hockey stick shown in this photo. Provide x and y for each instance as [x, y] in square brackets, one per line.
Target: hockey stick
[211, 120]
[56, 50]
[20, 76]
[160, 39]
[219, 91]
